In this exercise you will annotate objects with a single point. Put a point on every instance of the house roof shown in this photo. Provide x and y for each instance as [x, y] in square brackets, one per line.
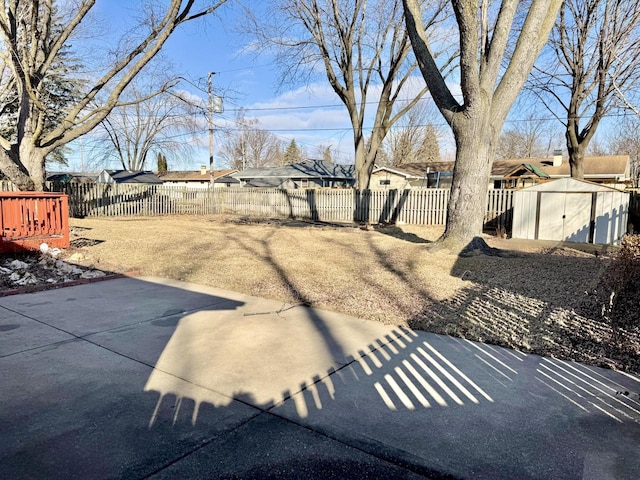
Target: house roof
[607, 166]
[267, 182]
[126, 176]
[397, 171]
[305, 169]
[66, 177]
[192, 175]
[227, 179]
[421, 168]
[527, 170]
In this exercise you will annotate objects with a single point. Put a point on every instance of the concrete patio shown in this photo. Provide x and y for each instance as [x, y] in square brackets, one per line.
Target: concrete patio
[154, 378]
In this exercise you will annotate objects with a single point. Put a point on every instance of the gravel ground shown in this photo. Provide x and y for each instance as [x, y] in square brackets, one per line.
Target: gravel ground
[538, 297]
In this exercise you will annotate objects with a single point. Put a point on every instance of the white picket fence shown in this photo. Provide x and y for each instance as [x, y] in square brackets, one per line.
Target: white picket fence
[418, 207]
[7, 186]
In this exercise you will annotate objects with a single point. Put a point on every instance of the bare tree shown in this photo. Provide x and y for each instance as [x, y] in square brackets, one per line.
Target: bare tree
[413, 138]
[246, 145]
[148, 124]
[593, 58]
[362, 47]
[625, 140]
[490, 82]
[323, 152]
[531, 137]
[31, 46]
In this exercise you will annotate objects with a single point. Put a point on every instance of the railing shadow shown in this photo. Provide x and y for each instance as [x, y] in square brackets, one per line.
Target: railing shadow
[398, 393]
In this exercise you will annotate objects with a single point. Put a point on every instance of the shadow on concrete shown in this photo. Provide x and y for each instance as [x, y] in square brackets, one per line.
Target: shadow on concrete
[145, 387]
[403, 395]
[475, 400]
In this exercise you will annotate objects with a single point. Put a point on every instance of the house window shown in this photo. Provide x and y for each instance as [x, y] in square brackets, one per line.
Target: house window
[304, 183]
[386, 181]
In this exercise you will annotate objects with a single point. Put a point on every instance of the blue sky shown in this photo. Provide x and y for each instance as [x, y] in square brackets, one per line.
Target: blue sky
[311, 113]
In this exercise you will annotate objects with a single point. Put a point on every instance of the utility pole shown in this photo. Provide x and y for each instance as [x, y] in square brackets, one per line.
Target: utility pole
[210, 92]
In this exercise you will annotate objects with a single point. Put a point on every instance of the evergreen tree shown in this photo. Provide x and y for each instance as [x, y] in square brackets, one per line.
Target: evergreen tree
[60, 89]
[162, 163]
[430, 149]
[292, 154]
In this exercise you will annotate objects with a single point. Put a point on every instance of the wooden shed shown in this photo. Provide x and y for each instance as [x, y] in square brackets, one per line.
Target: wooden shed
[572, 211]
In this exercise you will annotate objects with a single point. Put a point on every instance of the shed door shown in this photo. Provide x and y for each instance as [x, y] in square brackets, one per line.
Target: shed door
[565, 216]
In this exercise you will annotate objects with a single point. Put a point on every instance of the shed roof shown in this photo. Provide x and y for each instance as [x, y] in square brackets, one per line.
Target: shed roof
[569, 185]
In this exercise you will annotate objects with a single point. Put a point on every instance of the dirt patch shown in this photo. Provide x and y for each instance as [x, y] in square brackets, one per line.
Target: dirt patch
[48, 268]
[534, 297]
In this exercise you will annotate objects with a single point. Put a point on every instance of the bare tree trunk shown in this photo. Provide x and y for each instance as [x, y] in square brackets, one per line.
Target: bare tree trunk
[33, 160]
[576, 150]
[361, 167]
[363, 176]
[366, 154]
[467, 201]
[490, 84]
[577, 142]
[12, 169]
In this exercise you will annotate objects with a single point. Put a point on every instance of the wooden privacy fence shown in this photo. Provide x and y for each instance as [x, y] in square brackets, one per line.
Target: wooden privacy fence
[420, 207]
[27, 219]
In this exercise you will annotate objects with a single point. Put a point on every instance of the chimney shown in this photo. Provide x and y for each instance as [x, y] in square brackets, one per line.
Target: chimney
[203, 169]
[557, 158]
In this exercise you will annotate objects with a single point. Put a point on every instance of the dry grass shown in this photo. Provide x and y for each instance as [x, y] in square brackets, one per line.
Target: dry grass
[535, 298]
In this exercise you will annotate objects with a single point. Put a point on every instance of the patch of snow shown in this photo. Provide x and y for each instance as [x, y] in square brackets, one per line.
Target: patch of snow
[18, 265]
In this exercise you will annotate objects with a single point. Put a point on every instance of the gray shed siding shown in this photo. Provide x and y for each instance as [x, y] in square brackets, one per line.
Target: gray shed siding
[572, 211]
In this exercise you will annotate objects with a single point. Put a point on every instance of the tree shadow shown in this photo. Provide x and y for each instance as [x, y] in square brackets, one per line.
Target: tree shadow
[225, 390]
[559, 316]
[397, 232]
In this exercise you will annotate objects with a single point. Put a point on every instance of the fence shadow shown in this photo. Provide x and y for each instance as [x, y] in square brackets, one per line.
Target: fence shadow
[560, 316]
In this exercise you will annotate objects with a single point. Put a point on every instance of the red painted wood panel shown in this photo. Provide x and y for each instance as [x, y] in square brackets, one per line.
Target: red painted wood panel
[28, 219]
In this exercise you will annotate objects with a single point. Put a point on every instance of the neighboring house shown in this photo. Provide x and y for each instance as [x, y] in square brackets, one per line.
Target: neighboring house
[227, 181]
[392, 178]
[125, 176]
[306, 174]
[610, 171]
[72, 177]
[194, 179]
[413, 175]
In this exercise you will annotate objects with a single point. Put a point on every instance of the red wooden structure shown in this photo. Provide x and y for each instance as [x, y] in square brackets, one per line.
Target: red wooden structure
[28, 219]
